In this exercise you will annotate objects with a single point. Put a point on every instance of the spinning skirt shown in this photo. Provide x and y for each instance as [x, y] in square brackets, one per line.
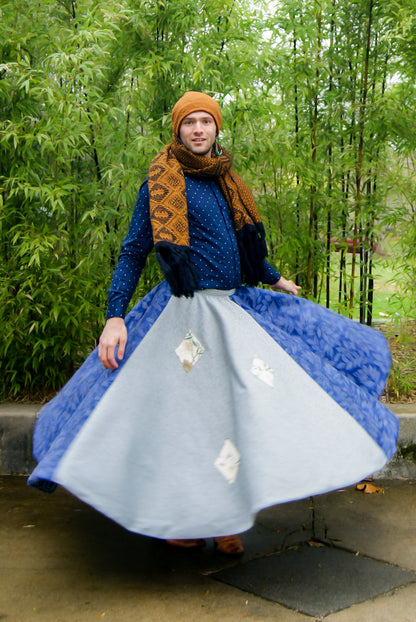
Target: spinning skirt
[225, 403]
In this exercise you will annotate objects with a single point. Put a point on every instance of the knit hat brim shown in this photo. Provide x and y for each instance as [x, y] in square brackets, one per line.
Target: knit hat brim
[193, 101]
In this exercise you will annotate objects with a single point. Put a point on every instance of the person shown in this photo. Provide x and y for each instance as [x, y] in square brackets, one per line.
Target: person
[216, 398]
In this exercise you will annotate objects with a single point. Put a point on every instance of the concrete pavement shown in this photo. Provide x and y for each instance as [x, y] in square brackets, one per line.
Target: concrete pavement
[61, 561]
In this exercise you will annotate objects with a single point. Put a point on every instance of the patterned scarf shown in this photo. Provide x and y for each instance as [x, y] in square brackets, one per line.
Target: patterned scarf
[169, 214]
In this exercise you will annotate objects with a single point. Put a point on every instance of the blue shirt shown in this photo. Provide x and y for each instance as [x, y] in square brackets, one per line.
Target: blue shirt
[213, 245]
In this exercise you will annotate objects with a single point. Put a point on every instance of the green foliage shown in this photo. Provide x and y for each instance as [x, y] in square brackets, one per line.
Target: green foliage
[86, 89]
[402, 379]
[314, 112]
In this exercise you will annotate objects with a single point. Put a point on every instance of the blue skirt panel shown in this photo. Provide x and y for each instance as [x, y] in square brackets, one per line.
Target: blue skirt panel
[224, 404]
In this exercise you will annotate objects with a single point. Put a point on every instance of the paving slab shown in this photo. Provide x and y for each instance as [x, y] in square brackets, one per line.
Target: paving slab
[332, 579]
[61, 561]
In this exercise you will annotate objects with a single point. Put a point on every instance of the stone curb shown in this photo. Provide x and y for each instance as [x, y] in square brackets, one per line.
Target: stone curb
[17, 422]
[403, 463]
[16, 428]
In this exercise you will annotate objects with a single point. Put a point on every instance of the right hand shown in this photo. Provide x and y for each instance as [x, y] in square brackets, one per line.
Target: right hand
[286, 286]
[113, 335]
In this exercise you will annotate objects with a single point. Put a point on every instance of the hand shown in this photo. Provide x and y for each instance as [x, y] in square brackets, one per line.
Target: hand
[114, 333]
[286, 286]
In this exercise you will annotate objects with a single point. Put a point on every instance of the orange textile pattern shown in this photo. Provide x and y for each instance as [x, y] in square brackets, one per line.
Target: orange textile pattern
[168, 207]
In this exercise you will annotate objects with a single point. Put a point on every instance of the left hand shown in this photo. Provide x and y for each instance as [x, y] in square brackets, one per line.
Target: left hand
[286, 286]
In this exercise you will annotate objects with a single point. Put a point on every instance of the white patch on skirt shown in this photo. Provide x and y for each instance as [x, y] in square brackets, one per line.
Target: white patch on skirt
[260, 369]
[189, 351]
[228, 461]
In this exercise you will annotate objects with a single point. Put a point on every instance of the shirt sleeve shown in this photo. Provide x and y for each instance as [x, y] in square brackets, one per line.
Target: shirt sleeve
[270, 275]
[136, 246]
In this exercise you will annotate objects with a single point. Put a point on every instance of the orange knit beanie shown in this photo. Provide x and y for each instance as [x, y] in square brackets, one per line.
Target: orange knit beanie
[193, 101]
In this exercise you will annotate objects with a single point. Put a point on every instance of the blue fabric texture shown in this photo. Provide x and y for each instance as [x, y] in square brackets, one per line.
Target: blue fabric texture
[210, 420]
[62, 418]
[213, 245]
[349, 361]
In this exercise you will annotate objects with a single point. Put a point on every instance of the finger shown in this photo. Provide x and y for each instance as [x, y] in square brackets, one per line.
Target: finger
[121, 349]
[106, 356]
[101, 354]
[111, 359]
[122, 344]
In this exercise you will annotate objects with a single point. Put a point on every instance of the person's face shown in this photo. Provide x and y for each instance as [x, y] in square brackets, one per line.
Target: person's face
[198, 133]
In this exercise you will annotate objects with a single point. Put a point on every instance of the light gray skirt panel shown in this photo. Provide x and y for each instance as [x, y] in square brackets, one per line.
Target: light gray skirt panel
[208, 422]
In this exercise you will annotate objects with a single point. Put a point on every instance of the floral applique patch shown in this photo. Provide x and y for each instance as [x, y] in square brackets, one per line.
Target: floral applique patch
[189, 351]
[228, 461]
[260, 369]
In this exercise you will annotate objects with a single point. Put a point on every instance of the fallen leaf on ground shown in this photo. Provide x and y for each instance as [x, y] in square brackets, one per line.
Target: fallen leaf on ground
[368, 488]
[315, 544]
